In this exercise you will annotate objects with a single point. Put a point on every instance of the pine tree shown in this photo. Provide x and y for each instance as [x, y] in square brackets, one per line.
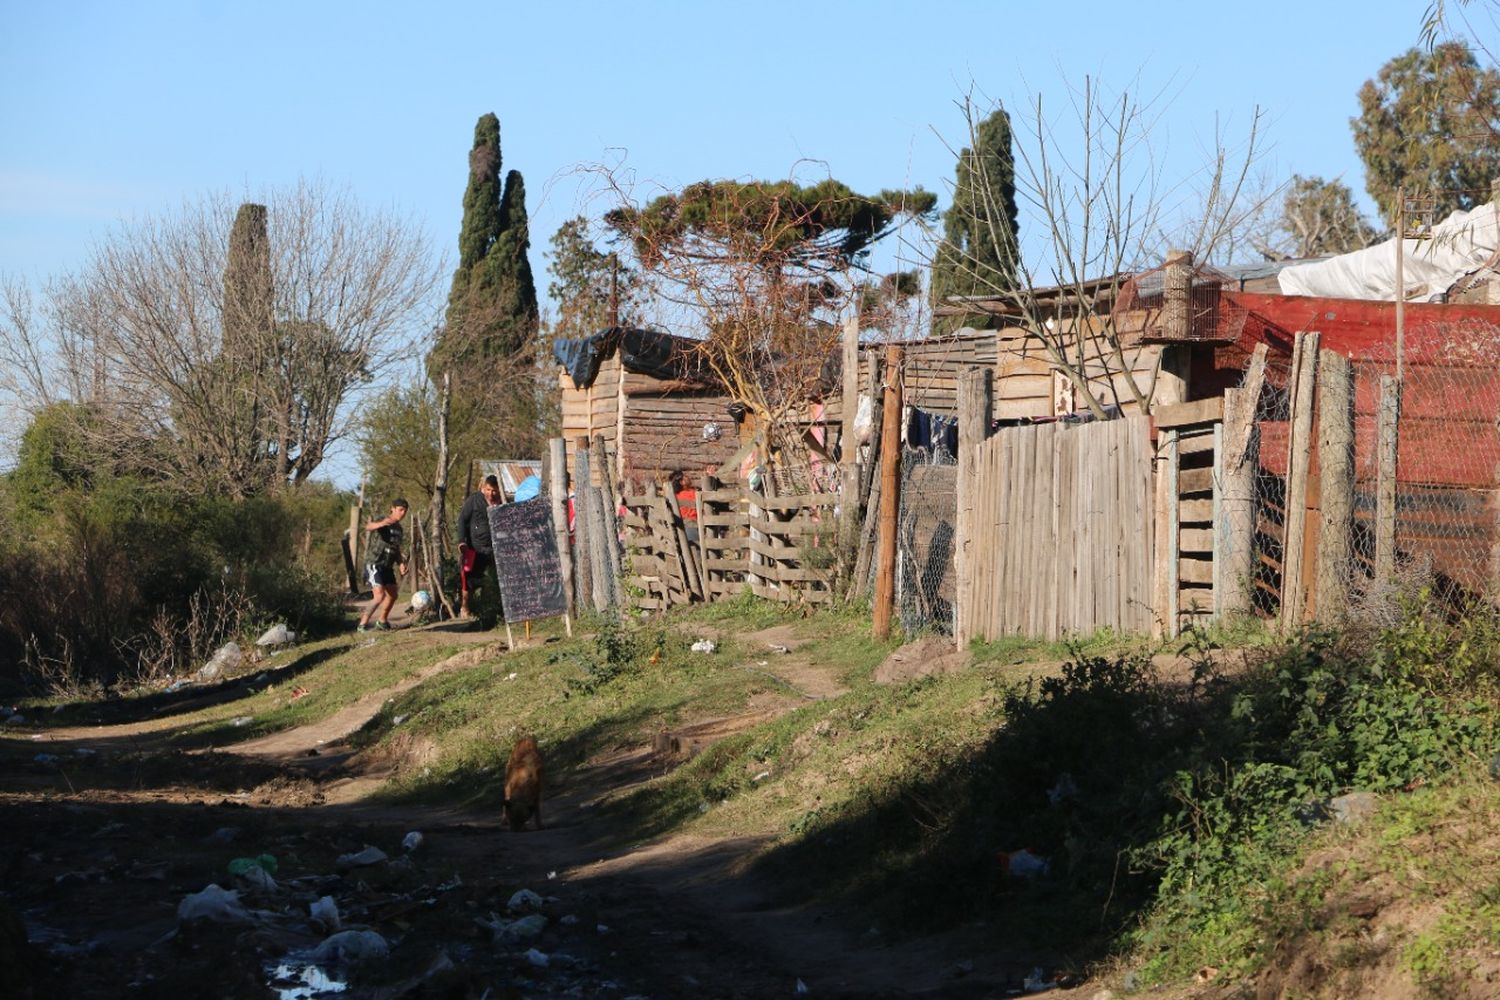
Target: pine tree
[978, 252]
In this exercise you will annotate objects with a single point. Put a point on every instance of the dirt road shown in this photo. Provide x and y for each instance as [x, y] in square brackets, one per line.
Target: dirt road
[108, 831]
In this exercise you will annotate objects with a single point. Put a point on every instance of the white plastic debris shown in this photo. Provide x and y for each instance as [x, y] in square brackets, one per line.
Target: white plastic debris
[524, 901]
[214, 904]
[360, 859]
[705, 646]
[276, 635]
[762, 776]
[225, 659]
[568, 920]
[801, 987]
[243, 720]
[351, 946]
[256, 877]
[412, 840]
[536, 958]
[528, 928]
[778, 648]
[325, 913]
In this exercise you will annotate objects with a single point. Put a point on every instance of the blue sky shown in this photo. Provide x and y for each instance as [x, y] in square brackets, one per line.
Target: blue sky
[112, 110]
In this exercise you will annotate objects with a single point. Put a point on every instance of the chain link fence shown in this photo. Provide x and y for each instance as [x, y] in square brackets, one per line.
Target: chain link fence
[926, 581]
[1417, 513]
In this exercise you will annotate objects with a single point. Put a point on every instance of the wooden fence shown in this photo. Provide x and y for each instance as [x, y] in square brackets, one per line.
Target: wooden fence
[1059, 537]
[780, 548]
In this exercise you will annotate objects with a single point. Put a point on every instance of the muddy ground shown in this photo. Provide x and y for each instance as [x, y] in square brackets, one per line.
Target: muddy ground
[107, 832]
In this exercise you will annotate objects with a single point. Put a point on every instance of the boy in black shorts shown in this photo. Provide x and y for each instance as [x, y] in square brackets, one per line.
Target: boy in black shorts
[383, 563]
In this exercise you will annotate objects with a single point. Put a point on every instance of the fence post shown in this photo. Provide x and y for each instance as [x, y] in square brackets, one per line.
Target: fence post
[1386, 450]
[974, 407]
[582, 546]
[1336, 462]
[1237, 513]
[848, 546]
[558, 488]
[890, 490]
[1299, 456]
[1168, 538]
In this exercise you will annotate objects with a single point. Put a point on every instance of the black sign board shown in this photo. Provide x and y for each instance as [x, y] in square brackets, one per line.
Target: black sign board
[531, 581]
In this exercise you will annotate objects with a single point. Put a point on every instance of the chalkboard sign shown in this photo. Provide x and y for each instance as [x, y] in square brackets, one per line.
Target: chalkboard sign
[531, 582]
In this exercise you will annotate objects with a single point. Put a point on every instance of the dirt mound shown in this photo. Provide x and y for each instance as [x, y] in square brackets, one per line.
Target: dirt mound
[923, 658]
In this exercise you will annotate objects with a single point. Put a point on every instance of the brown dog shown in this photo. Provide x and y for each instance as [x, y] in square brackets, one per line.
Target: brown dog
[523, 785]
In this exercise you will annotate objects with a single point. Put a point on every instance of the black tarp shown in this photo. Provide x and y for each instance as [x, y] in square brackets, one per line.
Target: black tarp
[645, 352]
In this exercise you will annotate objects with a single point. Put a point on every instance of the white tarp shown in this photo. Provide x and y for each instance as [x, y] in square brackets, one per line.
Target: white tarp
[1461, 245]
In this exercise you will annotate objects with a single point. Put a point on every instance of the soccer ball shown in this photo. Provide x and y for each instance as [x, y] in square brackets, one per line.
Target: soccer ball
[421, 600]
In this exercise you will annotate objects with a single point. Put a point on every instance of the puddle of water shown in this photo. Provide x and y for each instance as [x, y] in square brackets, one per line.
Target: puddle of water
[293, 979]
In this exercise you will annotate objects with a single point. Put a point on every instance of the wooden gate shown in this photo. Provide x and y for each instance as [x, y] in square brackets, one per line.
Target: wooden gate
[1060, 539]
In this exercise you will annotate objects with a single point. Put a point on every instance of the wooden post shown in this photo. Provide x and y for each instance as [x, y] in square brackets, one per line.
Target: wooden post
[1336, 460]
[974, 409]
[1168, 534]
[1235, 542]
[890, 490]
[583, 564]
[1299, 448]
[558, 490]
[351, 550]
[848, 455]
[1172, 376]
[611, 520]
[1386, 451]
[869, 488]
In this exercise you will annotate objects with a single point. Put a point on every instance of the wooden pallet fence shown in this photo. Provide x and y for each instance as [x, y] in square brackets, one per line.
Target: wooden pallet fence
[724, 536]
[792, 547]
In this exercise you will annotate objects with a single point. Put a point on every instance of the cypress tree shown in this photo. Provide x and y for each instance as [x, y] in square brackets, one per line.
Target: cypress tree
[247, 285]
[492, 305]
[978, 253]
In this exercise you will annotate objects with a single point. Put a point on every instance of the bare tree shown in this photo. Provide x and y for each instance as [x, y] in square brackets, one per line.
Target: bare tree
[1091, 191]
[139, 335]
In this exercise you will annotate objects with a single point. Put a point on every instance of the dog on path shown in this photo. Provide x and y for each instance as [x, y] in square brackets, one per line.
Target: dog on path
[523, 785]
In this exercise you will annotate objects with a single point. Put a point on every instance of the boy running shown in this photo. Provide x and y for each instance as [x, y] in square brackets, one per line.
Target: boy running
[382, 555]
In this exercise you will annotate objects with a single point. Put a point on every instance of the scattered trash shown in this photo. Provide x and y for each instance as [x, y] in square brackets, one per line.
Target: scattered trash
[801, 987]
[225, 659]
[705, 646]
[524, 901]
[325, 913]
[361, 859]
[243, 720]
[257, 878]
[265, 862]
[602, 929]
[568, 920]
[1037, 981]
[776, 648]
[1063, 789]
[46, 758]
[536, 958]
[178, 684]
[762, 776]
[84, 752]
[1207, 974]
[551, 876]
[214, 904]
[527, 928]
[763, 663]
[300, 981]
[511, 676]
[398, 720]
[276, 635]
[299, 692]
[1023, 864]
[348, 947]
[412, 840]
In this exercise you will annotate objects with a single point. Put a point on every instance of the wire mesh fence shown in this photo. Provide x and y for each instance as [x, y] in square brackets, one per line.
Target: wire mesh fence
[1374, 487]
[926, 581]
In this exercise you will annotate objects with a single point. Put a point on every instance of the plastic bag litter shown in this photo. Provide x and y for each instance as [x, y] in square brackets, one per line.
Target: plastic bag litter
[226, 658]
[1023, 864]
[351, 946]
[705, 646]
[325, 913]
[215, 904]
[266, 862]
[537, 958]
[527, 928]
[276, 635]
[360, 859]
[412, 840]
[256, 878]
[524, 901]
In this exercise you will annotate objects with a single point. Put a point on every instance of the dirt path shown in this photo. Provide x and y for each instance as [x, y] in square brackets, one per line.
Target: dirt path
[102, 857]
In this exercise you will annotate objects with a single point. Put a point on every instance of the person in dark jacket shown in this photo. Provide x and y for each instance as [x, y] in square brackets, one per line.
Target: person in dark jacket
[476, 550]
[384, 561]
